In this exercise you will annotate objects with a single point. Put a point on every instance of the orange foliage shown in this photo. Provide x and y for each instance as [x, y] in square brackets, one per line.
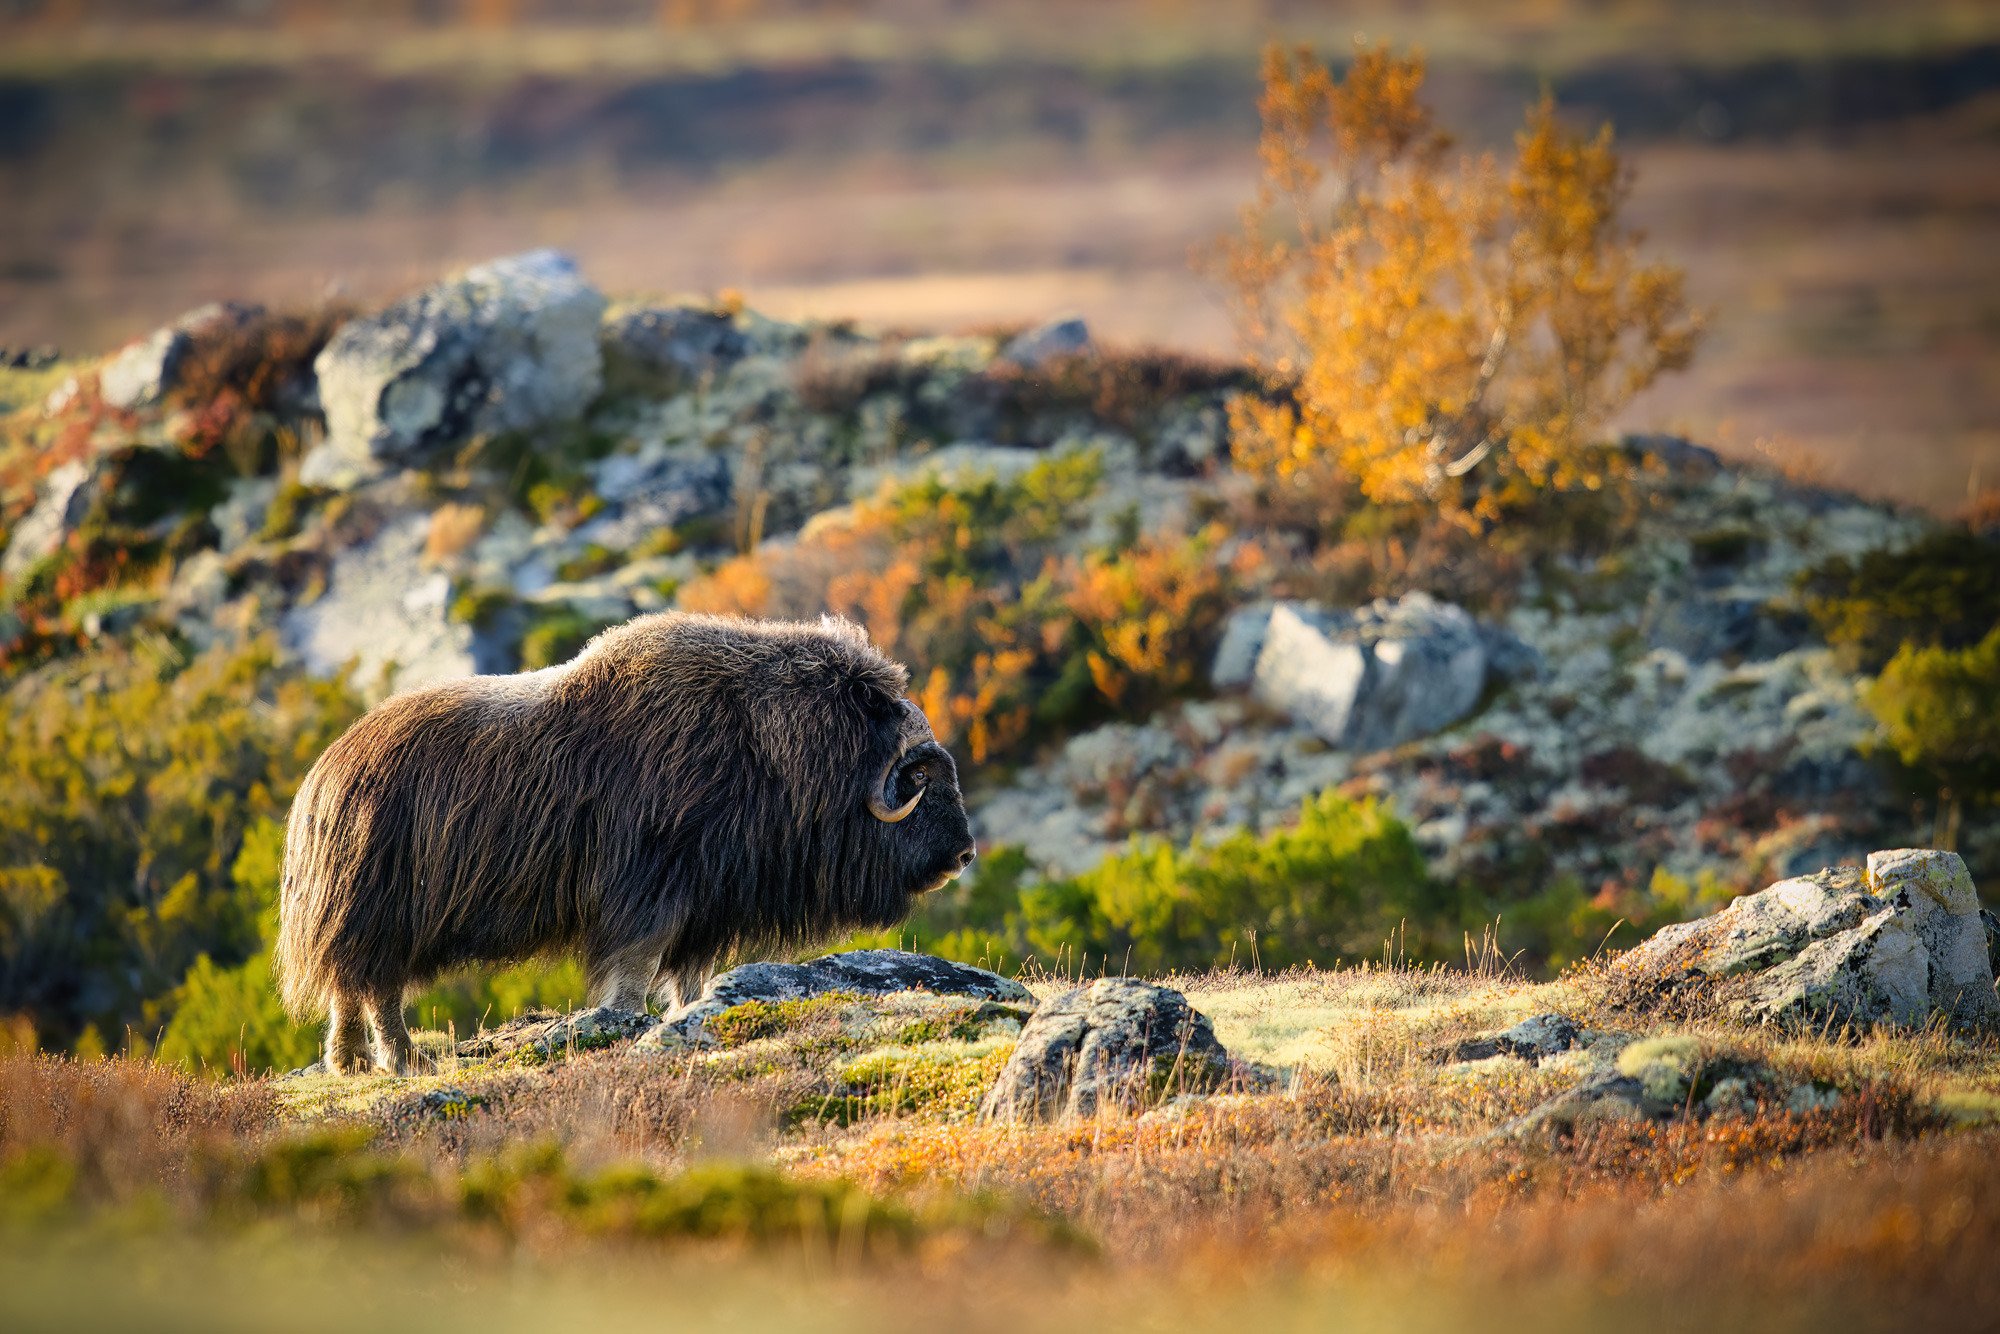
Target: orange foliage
[1002, 633]
[1430, 315]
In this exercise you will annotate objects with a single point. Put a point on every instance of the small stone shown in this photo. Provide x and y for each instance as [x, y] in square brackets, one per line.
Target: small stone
[1532, 1040]
[581, 1030]
[1066, 336]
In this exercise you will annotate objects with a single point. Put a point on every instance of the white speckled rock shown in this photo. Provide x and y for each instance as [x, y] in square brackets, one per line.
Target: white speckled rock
[61, 507]
[382, 606]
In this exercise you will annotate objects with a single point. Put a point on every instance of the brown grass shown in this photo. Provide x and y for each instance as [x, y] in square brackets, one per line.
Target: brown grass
[1376, 1178]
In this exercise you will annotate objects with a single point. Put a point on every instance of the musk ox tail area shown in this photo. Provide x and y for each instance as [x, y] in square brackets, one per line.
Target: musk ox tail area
[306, 918]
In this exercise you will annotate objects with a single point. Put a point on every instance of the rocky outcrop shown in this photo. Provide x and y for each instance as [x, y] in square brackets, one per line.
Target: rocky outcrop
[1902, 942]
[506, 346]
[381, 607]
[670, 348]
[1669, 1078]
[1365, 679]
[855, 972]
[1117, 1043]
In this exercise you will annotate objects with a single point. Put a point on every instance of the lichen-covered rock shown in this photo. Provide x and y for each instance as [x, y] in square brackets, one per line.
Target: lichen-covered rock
[1116, 1043]
[541, 1038]
[505, 346]
[855, 972]
[1902, 941]
[673, 346]
[1365, 679]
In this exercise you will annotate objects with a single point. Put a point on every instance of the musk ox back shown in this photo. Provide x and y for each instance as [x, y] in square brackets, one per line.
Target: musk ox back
[687, 786]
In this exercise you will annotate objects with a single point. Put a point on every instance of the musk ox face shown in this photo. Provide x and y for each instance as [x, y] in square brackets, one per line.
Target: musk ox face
[914, 801]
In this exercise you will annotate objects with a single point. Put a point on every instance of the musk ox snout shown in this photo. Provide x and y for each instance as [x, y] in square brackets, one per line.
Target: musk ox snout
[686, 788]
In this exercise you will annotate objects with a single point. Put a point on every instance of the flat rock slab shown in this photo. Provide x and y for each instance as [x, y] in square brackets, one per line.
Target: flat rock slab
[854, 972]
[1117, 1043]
[1900, 942]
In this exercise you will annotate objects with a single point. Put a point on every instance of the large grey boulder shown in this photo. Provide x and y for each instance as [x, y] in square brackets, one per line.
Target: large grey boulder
[1900, 942]
[860, 972]
[1365, 679]
[1116, 1043]
[506, 346]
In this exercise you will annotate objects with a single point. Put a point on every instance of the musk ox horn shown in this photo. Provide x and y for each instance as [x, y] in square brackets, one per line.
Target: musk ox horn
[880, 808]
[878, 805]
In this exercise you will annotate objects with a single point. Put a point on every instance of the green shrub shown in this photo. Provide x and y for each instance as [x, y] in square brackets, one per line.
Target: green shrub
[1944, 591]
[1940, 709]
[129, 793]
[557, 637]
[1336, 885]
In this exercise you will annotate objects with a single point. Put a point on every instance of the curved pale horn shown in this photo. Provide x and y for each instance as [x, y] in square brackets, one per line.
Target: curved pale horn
[880, 808]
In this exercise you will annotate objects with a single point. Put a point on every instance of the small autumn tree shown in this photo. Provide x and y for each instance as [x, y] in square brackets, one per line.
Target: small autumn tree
[1430, 314]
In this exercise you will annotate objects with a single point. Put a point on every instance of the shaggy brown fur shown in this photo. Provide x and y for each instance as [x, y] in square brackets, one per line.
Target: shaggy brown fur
[686, 787]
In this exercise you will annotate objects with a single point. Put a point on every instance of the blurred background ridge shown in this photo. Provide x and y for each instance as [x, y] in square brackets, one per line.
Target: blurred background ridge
[1829, 173]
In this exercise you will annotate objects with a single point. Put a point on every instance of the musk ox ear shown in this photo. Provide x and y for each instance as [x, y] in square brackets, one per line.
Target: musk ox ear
[872, 700]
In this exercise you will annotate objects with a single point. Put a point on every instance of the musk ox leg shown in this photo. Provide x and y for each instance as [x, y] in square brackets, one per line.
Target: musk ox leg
[621, 981]
[346, 1036]
[678, 988]
[394, 1052]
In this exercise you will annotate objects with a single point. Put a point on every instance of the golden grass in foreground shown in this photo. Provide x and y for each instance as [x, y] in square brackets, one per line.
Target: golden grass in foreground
[1373, 1194]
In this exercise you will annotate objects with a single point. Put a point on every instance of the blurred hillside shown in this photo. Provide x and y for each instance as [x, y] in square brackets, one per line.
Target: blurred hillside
[1825, 171]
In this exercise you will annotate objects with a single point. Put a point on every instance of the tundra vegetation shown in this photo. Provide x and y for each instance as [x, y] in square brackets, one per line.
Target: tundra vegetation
[1448, 338]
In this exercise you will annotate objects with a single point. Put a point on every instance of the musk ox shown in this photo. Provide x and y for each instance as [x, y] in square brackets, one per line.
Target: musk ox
[686, 787]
